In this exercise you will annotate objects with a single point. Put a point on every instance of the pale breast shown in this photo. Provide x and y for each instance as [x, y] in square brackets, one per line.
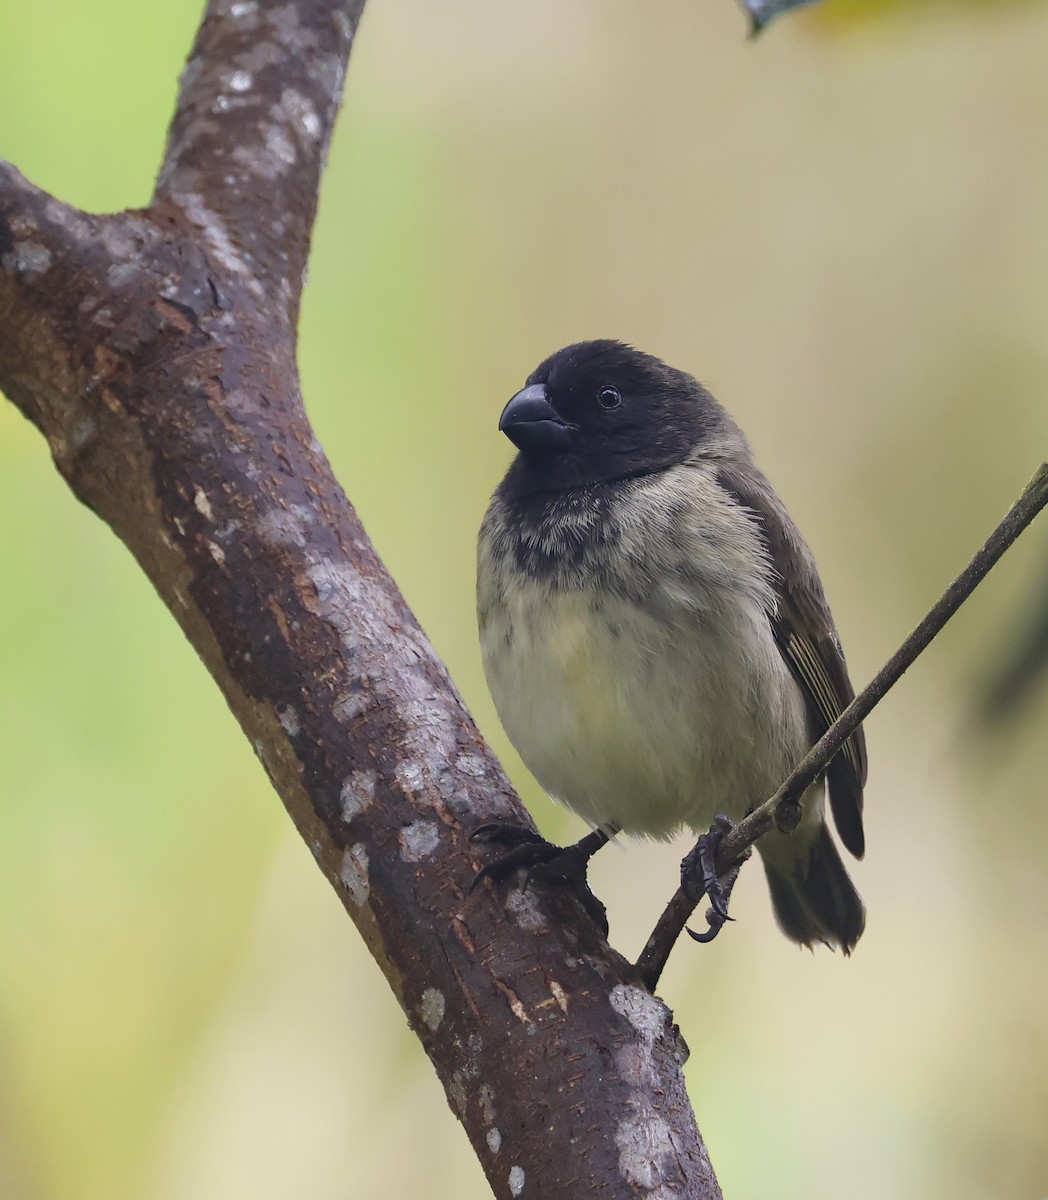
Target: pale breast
[646, 715]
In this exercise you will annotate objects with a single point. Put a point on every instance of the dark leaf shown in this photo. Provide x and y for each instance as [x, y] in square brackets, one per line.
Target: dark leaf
[761, 12]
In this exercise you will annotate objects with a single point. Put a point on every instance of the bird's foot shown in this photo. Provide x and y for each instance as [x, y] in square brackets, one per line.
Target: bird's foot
[544, 862]
[699, 866]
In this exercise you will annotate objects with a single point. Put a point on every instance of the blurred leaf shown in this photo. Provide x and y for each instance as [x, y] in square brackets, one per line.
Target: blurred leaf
[1021, 660]
[852, 12]
[762, 12]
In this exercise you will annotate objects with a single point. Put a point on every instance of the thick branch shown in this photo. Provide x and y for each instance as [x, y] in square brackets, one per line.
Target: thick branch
[155, 351]
[247, 144]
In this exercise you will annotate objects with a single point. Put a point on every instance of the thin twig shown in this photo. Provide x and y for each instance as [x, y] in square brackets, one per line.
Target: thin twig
[781, 809]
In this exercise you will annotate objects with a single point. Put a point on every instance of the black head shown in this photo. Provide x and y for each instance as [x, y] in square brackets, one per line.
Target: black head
[599, 411]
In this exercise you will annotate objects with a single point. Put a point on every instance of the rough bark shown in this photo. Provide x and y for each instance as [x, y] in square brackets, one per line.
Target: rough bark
[155, 350]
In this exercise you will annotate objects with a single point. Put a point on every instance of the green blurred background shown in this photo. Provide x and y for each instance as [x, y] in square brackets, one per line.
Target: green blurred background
[841, 229]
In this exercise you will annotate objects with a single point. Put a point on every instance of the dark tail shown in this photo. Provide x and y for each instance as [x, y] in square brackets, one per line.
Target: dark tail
[813, 898]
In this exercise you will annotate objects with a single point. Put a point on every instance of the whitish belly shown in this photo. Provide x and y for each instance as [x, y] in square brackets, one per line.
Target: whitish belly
[645, 723]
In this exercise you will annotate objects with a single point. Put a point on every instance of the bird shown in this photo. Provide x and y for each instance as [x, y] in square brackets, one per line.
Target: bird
[655, 635]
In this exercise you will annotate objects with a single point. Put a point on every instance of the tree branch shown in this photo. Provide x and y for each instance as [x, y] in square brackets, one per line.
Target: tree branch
[782, 810]
[248, 141]
[155, 351]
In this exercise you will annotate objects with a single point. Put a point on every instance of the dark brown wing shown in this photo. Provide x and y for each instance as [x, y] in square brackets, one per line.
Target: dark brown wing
[806, 635]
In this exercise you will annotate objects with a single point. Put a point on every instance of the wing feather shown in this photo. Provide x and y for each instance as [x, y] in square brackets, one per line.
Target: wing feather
[807, 638]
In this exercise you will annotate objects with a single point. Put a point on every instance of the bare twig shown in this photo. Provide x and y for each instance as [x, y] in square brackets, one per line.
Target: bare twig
[781, 809]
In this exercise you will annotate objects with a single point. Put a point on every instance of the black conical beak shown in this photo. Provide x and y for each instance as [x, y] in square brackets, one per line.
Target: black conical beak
[532, 424]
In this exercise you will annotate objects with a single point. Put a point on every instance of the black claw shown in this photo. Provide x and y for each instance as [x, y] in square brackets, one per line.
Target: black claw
[545, 863]
[719, 902]
[505, 834]
[593, 905]
[502, 868]
[700, 864]
[715, 923]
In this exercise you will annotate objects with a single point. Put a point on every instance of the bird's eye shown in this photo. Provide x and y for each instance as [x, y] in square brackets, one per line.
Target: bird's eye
[609, 397]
